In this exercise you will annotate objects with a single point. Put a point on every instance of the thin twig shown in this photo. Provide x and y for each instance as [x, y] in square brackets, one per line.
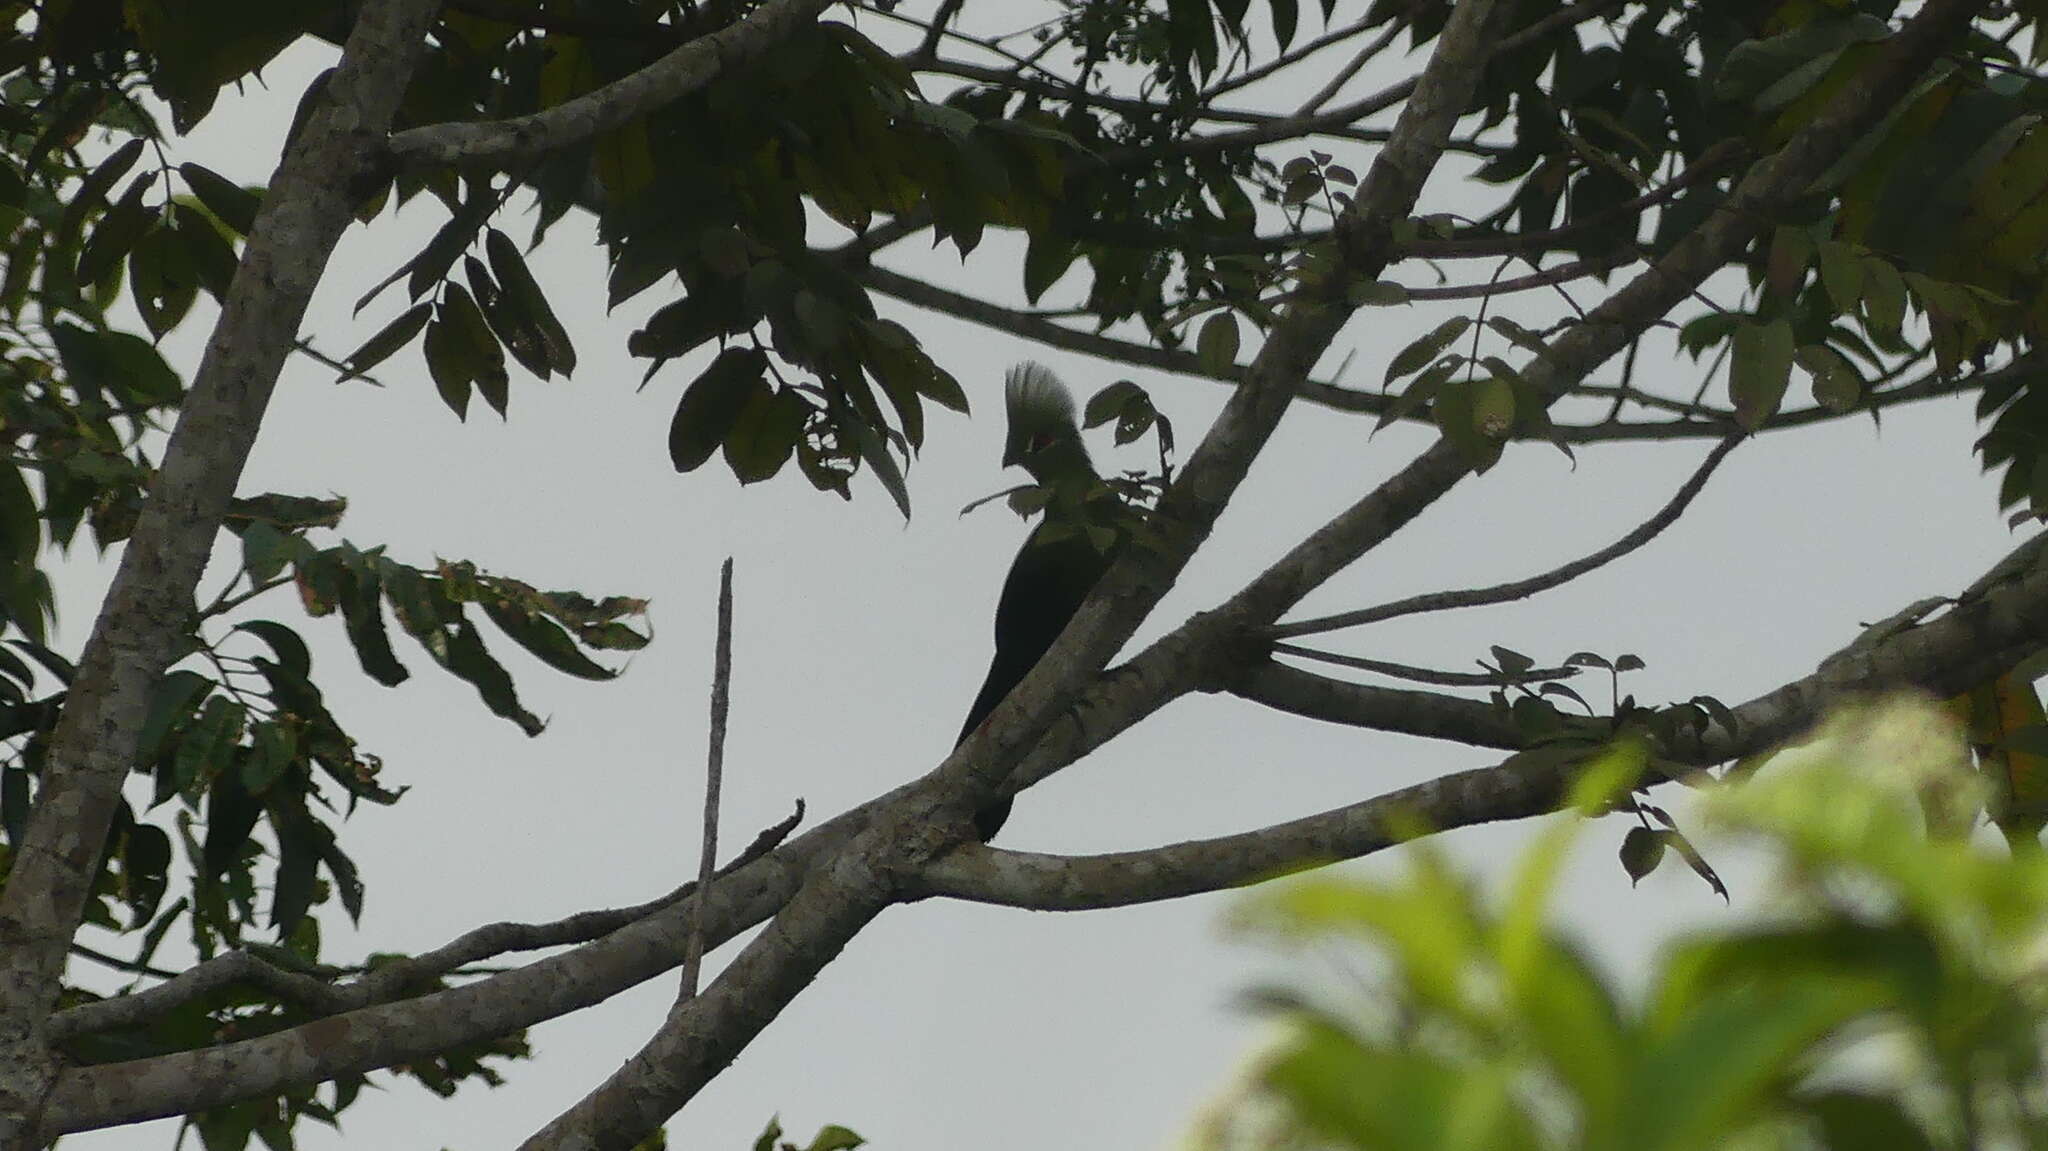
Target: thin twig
[1253, 75]
[119, 964]
[1543, 278]
[1336, 84]
[929, 48]
[714, 778]
[1428, 674]
[1523, 588]
[228, 603]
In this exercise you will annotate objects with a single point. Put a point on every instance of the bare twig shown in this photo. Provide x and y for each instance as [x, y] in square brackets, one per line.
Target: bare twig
[1524, 588]
[1544, 278]
[928, 49]
[227, 603]
[1328, 91]
[714, 777]
[119, 964]
[1428, 674]
[1287, 59]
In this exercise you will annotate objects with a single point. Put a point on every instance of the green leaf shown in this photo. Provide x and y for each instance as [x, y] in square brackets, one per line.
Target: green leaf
[170, 703]
[285, 643]
[1760, 370]
[822, 322]
[207, 744]
[1709, 1073]
[1641, 851]
[362, 613]
[263, 551]
[480, 354]
[544, 638]
[876, 453]
[1376, 293]
[764, 434]
[714, 400]
[1851, 1119]
[162, 278]
[1703, 332]
[233, 204]
[1286, 15]
[115, 234]
[21, 531]
[1841, 273]
[273, 748]
[1216, 345]
[389, 338]
[835, 1138]
[1046, 259]
[1417, 355]
[291, 513]
[125, 365]
[212, 255]
[1836, 384]
[1754, 65]
[92, 191]
[524, 290]
[1511, 663]
[145, 871]
[298, 859]
[467, 658]
[347, 883]
[1493, 407]
[449, 365]
[513, 330]
[1884, 300]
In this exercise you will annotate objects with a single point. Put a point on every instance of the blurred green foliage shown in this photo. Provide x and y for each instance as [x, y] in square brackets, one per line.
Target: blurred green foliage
[1889, 994]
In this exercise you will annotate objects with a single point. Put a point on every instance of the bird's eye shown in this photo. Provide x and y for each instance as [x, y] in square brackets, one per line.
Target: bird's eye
[1040, 442]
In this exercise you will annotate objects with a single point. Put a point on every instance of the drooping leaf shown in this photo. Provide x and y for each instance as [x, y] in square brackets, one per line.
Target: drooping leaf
[713, 401]
[234, 205]
[388, 339]
[545, 639]
[1760, 370]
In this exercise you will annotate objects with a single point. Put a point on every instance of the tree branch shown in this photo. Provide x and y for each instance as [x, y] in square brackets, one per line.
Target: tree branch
[502, 143]
[234, 969]
[1402, 711]
[1981, 638]
[714, 777]
[1522, 589]
[1429, 674]
[704, 1032]
[1045, 331]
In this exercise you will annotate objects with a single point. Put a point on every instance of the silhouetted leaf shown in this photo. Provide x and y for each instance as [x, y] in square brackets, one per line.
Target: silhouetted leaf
[235, 205]
[714, 400]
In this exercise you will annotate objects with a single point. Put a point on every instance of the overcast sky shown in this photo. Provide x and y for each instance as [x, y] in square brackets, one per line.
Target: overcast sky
[860, 640]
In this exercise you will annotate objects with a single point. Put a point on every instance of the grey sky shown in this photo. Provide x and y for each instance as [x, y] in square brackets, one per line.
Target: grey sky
[859, 642]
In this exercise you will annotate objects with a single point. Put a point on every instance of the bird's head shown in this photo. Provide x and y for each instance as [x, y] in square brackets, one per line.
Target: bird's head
[1044, 434]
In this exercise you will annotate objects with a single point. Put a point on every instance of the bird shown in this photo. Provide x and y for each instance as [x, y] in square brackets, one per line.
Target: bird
[1083, 526]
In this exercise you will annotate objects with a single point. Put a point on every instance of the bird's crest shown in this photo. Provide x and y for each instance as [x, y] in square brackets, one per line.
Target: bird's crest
[1036, 400]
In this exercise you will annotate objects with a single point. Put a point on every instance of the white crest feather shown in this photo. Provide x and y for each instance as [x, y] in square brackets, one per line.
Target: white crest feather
[1031, 386]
